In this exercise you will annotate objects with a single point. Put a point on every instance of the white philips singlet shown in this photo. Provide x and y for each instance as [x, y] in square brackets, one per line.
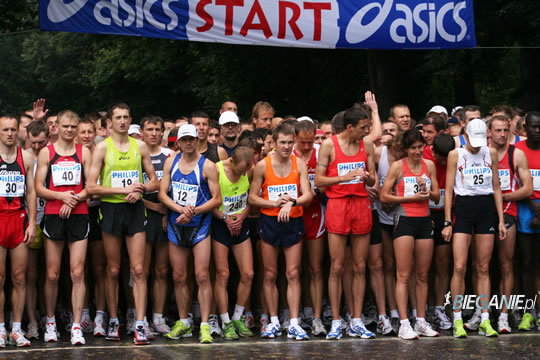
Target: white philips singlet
[473, 174]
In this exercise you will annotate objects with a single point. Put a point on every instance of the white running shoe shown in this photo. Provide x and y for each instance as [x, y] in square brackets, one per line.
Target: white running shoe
[17, 338]
[441, 320]
[215, 329]
[263, 324]
[50, 333]
[384, 326]
[474, 323]
[32, 331]
[317, 327]
[504, 326]
[77, 337]
[161, 326]
[360, 330]
[423, 328]
[99, 328]
[406, 332]
[296, 332]
[335, 332]
[3, 338]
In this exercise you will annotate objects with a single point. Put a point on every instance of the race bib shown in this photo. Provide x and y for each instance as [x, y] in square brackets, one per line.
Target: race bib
[412, 187]
[275, 191]
[40, 204]
[345, 168]
[504, 179]
[536, 178]
[66, 173]
[146, 179]
[12, 185]
[440, 204]
[477, 176]
[311, 178]
[235, 204]
[124, 178]
[184, 194]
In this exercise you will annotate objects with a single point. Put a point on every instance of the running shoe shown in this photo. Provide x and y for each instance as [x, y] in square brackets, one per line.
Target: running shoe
[241, 328]
[441, 320]
[459, 330]
[473, 322]
[215, 329]
[229, 332]
[271, 331]
[140, 337]
[296, 332]
[486, 329]
[161, 327]
[99, 328]
[360, 330]
[86, 324]
[77, 337]
[50, 333]
[317, 327]
[503, 326]
[17, 338]
[406, 332]
[527, 322]
[32, 331]
[423, 328]
[180, 330]
[113, 334]
[335, 332]
[395, 324]
[148, 330]
[204, 335]
[249, 321]
[384, 326]
[3, 338]
[263, 324]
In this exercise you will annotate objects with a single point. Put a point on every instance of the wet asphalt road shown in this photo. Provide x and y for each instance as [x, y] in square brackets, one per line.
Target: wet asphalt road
[515, 346]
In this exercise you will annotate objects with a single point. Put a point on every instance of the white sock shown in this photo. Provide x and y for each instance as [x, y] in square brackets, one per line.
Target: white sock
[457, 316]
[185, 322]
[420, 319]
[51, 320]
[293, 322]
[156, 318]
[381, 317]
[274, 320]
[403, 322]
[264, 316]
[394, 313]
[139, 323]
[75, 325]
[308, 312]
[414, 313]
[238, 311]
[16, 326]
[111, 320]
[484, 316]
[336, 323]
[86, 313]
[225, 318]
[477, 311]
[503, 316]
[356, 321]
[99, 315]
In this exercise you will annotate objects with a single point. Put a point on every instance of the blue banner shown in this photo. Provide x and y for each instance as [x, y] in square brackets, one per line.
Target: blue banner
[363, 24]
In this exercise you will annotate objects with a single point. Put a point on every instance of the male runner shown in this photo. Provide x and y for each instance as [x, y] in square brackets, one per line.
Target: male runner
[513, 170]
[60, 179]
[190, 190]
[285, 188]
[17, 193]
[345, 166]
[211, 152]
[230, 129]
[118, 162]
[262, 115]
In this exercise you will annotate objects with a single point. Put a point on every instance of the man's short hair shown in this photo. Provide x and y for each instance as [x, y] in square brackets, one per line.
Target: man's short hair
[531, 115]
[214, 124]
[249, 139]
[198, 114]
[68, 114]
[260, 133]
[152, 119]
[506, 110]
[437, 121]
[393, 109]
[498, 118]
[304, 126]
[261, 105]
[282, 129]
[353, 115]
[85, 120]
[443, 144]
[37, 127]
[122, 106]
[462, 115]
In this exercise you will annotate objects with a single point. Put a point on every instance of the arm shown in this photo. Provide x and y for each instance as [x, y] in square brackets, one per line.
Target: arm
[258, 178]
[386, 195]
[304, 199]
[86, 160]
[31, 199]
[146, 160]
[222, 154]
[521, 165]
[370, 173]
[376, 126]
[434, 193]
[157, 207]
[210, 173]
[451, 169]
[497, 195]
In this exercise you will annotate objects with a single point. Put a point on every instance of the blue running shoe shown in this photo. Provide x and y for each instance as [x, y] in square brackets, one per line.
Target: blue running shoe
[297, 333]
[359, 330]
[334, 333]
[271, 331]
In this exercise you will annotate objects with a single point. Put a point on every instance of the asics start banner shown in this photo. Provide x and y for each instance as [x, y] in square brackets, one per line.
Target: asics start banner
[363, 24]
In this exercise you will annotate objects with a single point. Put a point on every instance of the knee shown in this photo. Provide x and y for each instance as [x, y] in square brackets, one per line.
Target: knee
[421, 277]
[53, 275]
[403, 277]
[179, 277]
[138, 272]
[359, 268]
[441, 268]
[160, 272]
[460, 269]
[77, 274]
[222, 276]
[315, 270]
[270, 275]
[293, 274]
[246, 277]
[389, 266]
[376, 266]
[31, 276]
[337, 269]
[19, 279]
[113, 271]
[202, 276]
[507, 267]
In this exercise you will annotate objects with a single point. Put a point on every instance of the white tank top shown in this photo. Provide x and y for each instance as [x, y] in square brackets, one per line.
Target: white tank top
[473, 174]
[382, 171]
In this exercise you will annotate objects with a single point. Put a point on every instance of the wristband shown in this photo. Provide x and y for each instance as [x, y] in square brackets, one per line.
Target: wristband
[294, 202]
[447, 223]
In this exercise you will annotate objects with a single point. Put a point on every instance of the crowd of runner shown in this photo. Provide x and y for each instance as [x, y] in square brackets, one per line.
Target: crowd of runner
[271, 225]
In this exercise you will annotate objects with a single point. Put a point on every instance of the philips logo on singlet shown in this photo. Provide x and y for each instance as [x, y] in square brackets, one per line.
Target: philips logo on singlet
[124, 174]
[11, 177]
[350, 166]
[535, 173]
[504, 172]
[476, 171]
[234, 198]
[281, 188]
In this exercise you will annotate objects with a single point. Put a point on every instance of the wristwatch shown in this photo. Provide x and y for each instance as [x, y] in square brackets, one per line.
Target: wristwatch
[224, 217]
[447, 223]
[294, 202]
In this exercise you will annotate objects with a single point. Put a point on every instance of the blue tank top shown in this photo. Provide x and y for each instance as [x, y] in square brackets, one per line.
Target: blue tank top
[190, 189]
[462, 140]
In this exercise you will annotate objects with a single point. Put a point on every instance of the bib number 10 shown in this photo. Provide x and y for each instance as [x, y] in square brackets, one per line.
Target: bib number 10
[126, 182]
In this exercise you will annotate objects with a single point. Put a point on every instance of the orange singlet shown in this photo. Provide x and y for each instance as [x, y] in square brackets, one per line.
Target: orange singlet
[275, 186]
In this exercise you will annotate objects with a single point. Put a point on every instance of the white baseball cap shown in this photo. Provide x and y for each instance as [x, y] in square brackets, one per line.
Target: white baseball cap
[227, 117]
[438, 109]
[187, 130]
[134, 129]
[477, 133]
[306, 118]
